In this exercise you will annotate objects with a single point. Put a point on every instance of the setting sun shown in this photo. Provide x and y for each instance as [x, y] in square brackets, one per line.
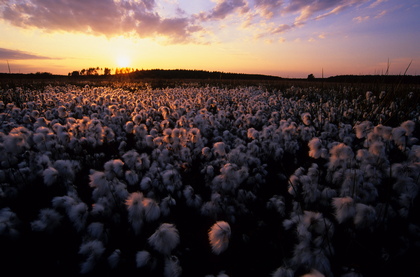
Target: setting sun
[123, 61]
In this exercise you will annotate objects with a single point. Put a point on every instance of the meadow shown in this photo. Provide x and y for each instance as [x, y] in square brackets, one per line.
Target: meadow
[209, 179]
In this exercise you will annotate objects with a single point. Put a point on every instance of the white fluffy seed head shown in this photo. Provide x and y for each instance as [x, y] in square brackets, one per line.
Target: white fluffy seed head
[151, 209]
[142, 258]
[114, 258]
[164, 239]
[172, 267]
[50, 175]
[344, 208]
[219, 235]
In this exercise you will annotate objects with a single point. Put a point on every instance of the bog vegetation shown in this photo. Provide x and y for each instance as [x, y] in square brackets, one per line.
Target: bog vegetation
[209, 181]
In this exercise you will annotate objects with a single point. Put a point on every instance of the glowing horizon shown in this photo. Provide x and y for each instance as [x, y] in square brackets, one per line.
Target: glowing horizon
[281, 38]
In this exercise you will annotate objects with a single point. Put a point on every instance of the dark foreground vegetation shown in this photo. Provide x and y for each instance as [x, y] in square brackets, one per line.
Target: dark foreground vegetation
[113, 176]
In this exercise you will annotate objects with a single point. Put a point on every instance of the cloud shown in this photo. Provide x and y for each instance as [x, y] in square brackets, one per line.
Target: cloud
[361, 18]
[336, 10]
[269, 8]
[275, 11]
[223, 9]
[379, 15]
[304, 8]
[97, 17]
[310, 9]
[143, 19]
[9, 54]
[376, 3]
[281, 29]
[274, 30]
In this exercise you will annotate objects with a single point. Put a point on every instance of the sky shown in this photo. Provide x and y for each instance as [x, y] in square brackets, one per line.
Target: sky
[286, 38]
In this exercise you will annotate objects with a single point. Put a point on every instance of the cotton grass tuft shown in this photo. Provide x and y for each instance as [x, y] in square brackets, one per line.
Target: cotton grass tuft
[219, 236]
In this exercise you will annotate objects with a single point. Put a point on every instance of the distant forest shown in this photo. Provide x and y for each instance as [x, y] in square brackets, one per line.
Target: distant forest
[99, 74]
[170, 74]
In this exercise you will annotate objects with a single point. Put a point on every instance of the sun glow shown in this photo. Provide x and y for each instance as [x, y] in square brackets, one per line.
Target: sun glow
[123, 61]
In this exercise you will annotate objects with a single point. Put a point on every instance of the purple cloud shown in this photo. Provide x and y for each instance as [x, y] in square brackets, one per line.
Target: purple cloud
[141, 17]
[305, 10]
[281, 29]
[9, 54]
[224, 8]
[308, 9]
[269, 8]
[98, 17]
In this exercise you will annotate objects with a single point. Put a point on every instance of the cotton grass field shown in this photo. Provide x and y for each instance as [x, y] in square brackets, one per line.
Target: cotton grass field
[209, 181]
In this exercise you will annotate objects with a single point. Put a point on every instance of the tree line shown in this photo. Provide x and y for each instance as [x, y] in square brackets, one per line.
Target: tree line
[96, 71]
[169, 73]
[91, 71]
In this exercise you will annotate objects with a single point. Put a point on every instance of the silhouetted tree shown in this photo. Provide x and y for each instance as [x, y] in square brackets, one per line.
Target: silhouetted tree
[107, 71]
[43, 73]
[311, 76]
[74, 73]
[123, 70]
[92, 71]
